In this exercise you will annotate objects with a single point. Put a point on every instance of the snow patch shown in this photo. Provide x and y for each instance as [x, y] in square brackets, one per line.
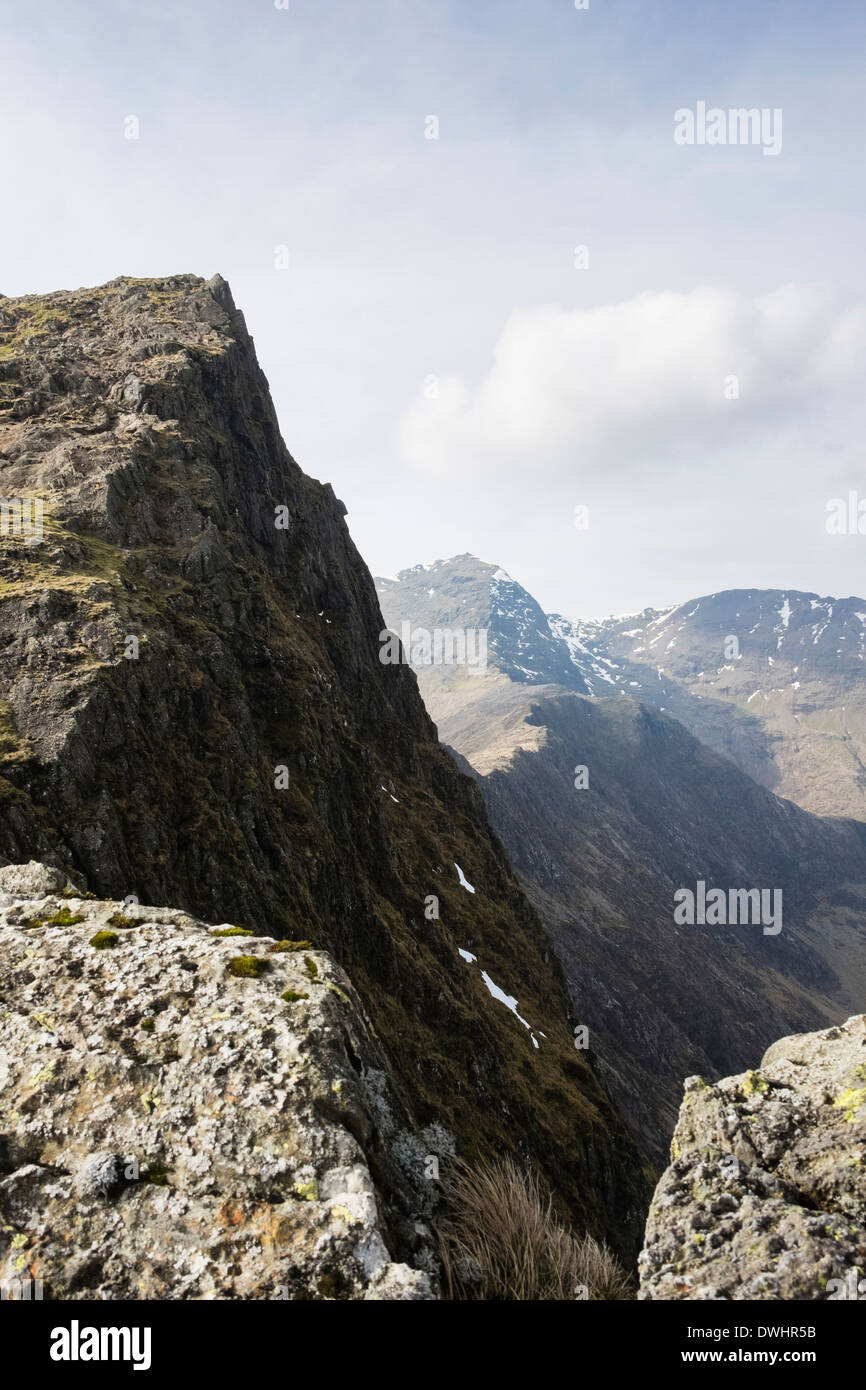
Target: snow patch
[464, 882]
[785, 614]
[507, 999]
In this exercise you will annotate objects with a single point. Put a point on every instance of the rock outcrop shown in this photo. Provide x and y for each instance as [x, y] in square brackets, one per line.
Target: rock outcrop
[192, 1113]
[765, 1197]
[193, 712]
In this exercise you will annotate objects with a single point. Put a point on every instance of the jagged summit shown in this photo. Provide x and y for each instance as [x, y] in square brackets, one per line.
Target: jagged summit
[467, 593]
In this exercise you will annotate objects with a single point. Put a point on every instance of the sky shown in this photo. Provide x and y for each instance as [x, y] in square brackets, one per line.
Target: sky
[501, 307]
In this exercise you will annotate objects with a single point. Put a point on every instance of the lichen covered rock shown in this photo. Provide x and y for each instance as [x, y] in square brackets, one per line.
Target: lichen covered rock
[765, 1197]
[173, 1129]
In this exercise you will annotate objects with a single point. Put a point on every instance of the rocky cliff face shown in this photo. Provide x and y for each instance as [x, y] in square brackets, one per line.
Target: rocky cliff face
[601, 862]
[194, 713]
[765, 1197]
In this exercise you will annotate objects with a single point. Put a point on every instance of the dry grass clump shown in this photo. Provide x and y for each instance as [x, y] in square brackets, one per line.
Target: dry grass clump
[502, 1240]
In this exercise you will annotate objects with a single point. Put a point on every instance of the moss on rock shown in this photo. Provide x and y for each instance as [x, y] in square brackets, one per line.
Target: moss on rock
[104, 940]
[247, 967]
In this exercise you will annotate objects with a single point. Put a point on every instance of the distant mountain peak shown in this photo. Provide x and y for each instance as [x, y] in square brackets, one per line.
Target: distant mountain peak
[471, 594]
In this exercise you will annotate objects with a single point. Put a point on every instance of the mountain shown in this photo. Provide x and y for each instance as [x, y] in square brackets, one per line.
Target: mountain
[601, 853]
[772, 679]
[194, 716]
[523, 646]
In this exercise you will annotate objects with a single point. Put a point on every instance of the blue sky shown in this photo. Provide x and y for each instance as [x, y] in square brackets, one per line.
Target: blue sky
[432, 349]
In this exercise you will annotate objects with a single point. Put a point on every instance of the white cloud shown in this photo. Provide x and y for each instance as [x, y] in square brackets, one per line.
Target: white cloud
[574, 393]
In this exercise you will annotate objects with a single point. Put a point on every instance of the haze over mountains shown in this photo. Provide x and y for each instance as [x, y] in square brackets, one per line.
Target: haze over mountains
[664, 809]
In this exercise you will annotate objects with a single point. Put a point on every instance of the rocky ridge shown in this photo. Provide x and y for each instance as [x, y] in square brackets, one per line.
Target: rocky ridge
[772, 679]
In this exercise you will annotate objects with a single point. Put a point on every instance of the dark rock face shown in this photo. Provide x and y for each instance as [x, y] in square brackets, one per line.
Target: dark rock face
[195, 713]
[765, 1197]
[601, 864]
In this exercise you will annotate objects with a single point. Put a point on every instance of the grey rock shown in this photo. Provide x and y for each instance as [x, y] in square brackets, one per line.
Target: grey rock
[31, 880]
[765, 1197]
[100, 1175]
[172, 1130]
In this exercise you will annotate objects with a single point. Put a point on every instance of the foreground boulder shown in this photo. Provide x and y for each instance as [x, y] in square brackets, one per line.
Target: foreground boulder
[766, 1195]
[188, 1113]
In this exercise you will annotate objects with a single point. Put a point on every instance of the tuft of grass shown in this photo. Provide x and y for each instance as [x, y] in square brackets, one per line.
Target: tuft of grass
[291, 946]
[247, 967]
[117, 919]
[233, 931]
[13, 748]
[291, 996]
[311, 968]
[502, 1240]
[104, 940]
